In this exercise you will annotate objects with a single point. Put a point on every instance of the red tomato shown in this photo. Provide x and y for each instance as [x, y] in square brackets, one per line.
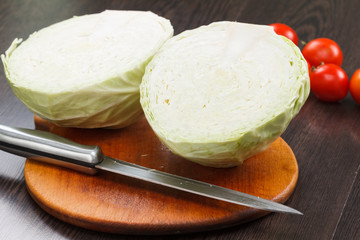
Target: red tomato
[286, 31]
[309, 67]
[355, 86]
[321, 51]
[329, 83]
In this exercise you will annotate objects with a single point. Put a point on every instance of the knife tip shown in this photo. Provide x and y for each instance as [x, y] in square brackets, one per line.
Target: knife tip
[292, 211]
[296, 212]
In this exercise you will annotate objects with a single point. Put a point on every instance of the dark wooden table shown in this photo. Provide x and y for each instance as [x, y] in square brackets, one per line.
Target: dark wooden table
[324, 137]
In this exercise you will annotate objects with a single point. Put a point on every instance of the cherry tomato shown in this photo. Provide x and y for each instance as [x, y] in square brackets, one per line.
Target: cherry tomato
[329, 83]
[286, 31]
[355, 86]
[309, 67]
[321, 51]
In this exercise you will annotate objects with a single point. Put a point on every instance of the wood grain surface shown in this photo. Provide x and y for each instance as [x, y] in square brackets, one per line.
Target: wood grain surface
[111, 203]
[325, 138]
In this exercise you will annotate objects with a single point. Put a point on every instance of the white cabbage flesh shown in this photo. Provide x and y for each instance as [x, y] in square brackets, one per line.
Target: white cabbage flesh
[221, 93]
[86, 71]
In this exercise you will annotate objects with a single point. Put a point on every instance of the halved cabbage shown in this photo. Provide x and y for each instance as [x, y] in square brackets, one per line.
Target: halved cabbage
[221, 93]
[86, 71]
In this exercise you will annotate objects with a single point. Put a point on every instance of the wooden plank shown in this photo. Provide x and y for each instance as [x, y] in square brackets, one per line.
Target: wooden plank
[349, 223]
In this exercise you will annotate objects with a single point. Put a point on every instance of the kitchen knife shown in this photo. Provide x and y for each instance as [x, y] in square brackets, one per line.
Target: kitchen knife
[47, 147]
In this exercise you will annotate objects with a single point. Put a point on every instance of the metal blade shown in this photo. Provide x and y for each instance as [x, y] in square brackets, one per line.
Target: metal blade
[191, 186]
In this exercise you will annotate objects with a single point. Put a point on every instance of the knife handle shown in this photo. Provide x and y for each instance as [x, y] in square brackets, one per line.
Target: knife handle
[47, 147]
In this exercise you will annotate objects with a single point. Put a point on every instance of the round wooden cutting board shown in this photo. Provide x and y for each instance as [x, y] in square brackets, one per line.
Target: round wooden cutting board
[112, 203]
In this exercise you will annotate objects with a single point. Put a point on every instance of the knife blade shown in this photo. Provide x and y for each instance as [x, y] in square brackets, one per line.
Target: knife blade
[47, 147]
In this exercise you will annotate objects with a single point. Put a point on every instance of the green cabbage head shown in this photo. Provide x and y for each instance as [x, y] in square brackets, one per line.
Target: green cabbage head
[86, 71]
[219, 94]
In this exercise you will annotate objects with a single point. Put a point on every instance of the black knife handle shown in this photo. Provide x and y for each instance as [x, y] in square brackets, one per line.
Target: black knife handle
[47, 147]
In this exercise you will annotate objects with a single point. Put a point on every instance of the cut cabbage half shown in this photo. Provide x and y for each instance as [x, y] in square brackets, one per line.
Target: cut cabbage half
[86, 71]
[221, 93]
